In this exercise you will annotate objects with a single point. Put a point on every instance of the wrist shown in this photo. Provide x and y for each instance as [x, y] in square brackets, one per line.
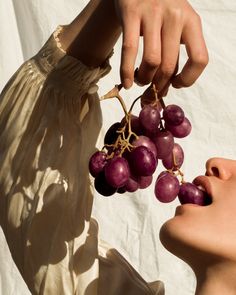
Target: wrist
[97, 30]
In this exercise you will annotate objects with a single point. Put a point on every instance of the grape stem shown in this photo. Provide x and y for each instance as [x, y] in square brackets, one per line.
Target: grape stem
[156, 96]
[136, 99]
[115, 93]
[122, 142]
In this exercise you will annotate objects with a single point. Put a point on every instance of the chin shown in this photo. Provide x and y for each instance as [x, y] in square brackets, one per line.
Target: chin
[179, 239]
[169, 237]
[187, 241]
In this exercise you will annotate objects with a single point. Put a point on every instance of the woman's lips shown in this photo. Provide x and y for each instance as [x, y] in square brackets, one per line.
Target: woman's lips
[203, 182]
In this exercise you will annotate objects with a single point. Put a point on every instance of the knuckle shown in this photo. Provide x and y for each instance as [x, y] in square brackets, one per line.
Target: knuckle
[155, 7]
[128, 46]
[201, 59]
[152, 61]
[176, 13]
[168, 70]
[197, 17]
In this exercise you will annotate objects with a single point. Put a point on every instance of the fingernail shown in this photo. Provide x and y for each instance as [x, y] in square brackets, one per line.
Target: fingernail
[136, 73]
[136, 78]
[127, 83]
[138, 83]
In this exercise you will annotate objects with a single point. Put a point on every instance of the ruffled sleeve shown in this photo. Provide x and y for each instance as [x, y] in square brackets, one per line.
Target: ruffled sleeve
[50, 118]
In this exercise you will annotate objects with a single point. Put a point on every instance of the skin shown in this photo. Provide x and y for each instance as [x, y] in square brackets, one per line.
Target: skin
[163, 24]
[204, 237]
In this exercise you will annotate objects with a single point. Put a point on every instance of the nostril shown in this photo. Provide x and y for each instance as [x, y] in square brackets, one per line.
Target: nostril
[220, 168]
[215, 171]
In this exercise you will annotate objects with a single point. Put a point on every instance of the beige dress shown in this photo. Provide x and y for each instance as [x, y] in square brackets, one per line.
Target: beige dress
[50, 118]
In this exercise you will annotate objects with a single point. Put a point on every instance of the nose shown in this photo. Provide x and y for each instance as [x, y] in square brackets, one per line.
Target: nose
[221, 168]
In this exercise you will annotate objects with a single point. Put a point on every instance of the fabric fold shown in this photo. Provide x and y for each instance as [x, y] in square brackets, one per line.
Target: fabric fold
[50, 119]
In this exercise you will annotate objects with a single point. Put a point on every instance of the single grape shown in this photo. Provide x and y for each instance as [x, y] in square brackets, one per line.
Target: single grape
[101, 185]
[143, 140]
[148, 97]
[190, 193]
[97, 162]
[117, 172]
[181, 130]
[177, 154]
[142, 161]
[166, 188]
[173, 115]
[149, 118]
[111, 134]
[144, 181]
[164, 142]
[163, 173]
[121, 190]
[135, 124]
[131, 185]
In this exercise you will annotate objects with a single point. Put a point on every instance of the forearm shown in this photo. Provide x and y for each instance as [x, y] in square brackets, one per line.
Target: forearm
[92, 35]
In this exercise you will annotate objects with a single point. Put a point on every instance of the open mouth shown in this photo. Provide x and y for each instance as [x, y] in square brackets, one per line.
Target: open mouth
[204, 185]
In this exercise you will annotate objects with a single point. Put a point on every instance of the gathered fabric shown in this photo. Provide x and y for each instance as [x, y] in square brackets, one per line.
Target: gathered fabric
[50, 119]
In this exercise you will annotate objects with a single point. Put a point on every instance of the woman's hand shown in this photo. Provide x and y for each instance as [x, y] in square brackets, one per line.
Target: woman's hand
[164, 25]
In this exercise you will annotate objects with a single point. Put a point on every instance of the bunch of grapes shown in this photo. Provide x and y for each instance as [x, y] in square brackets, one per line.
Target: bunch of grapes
[133, 147]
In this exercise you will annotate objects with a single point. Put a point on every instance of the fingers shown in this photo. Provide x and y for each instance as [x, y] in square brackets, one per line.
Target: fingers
[152, 50]
[163, 30]
[171, 36]
[131, 33]
[192, 37]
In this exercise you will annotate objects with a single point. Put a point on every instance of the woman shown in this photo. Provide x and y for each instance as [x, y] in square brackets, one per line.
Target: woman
[49, 123]
[204, 237]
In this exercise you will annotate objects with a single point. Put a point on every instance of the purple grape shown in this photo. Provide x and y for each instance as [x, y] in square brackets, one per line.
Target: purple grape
[173, 115]
[143, 140]
[117, 172]
[131, 185]
[135, 124]
[111, 134]
[149, 118]
[144, 181]
[166, 188]
[97, 163]
[121, 190]
[190, 193]
[164, 142]
[181, 130]
[101, 185]
[163, 173]
[148, 97]
[142, 161]
[178, 153]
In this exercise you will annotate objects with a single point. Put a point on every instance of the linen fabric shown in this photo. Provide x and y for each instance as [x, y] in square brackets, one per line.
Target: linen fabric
[50, 119]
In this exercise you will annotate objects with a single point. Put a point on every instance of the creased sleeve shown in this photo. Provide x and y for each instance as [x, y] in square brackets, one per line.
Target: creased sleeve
[50, 118]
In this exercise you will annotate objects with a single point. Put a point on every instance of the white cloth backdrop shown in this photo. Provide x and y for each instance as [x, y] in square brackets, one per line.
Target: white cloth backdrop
[131, 223]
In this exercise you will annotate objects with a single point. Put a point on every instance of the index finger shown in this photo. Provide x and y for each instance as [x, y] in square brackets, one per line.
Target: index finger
[131, 33]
